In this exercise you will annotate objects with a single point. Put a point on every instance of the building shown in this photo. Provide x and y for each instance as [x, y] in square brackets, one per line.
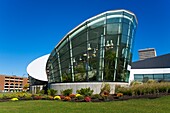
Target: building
[98, 50]
[156, 68]
[147, 53]
[37, 74]
[12, 83]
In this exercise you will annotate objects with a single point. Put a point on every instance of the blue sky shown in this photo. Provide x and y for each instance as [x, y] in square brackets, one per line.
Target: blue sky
[32, 28]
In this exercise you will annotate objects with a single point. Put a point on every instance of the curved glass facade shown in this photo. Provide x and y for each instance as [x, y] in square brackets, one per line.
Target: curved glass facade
[99, 49]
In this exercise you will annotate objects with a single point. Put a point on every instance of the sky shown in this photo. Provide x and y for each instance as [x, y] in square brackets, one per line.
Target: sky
[32, 28]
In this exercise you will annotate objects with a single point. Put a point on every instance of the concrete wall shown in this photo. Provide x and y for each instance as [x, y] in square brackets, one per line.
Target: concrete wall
[96, 86]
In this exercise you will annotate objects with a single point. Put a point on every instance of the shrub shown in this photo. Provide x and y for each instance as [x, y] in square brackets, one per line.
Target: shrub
[27, 96]
[85, 91]
[72, 95]
[77, 95]
[80, 97]
[87, 99]
[105, 89]
[67, 98]
[14, 99]
[146, 88]
[67, 92]
[150, 81]
[96, 96]
[42, 92]
[37, 97]
[117, 88]
[134, 83]
[62, 97]
[119, 94]
[52, 92]
[47, 97]
[57, 98]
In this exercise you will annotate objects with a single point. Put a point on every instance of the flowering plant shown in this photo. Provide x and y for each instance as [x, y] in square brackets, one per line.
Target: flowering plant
[62, 97]
[14, 99]
[119, 94]
[67, 98]
[78, 95]
[72, 95]
[37, 97]
[57, 98]
[87, 99]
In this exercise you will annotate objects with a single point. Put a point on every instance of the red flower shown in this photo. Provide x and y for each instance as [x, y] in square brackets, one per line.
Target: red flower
[87, 99]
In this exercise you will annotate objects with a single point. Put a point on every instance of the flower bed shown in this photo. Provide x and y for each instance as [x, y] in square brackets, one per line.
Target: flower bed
[149, 90]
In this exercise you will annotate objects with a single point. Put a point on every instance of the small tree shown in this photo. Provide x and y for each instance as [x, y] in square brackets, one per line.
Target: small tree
[26, 86]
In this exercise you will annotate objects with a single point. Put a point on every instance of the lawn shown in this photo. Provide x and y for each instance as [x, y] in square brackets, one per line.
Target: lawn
[159, 105]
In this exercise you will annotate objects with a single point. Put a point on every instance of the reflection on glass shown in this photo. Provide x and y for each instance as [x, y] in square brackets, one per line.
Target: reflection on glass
[98, 50]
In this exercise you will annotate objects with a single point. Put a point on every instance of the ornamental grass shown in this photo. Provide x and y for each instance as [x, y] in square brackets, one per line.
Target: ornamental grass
[145, 89]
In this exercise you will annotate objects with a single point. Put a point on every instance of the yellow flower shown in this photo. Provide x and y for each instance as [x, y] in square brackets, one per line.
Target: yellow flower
[14, 99]
[78, 95]
[57, 98]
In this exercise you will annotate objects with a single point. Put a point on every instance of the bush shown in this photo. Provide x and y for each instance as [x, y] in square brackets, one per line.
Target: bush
[42, 92]
[67, 92]
[57, 98]
[119, 94]
[37, 97]
[52, 92]
[67, 98]
[87, 99]
[14, 99]
[96, 96]
[85, 91]
[72, 95]
[150, 81]
[134, 83]
[45, 97]
[79, 97]
[62, 97]
[105, 89]
[146, 88]
[117, 88]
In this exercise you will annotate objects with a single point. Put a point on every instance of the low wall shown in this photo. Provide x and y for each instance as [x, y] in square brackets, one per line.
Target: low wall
[96, 86]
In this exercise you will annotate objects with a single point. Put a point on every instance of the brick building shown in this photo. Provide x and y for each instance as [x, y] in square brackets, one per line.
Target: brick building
[12, 83]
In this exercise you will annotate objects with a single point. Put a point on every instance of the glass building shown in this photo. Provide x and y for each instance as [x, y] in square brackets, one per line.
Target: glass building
[99, 49]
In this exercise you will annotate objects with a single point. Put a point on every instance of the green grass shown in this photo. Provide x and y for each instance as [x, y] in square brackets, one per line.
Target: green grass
[159, 105]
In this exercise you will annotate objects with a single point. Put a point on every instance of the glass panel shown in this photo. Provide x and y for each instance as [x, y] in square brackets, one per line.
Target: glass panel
[113, 28]
[138, 76]
[158, 77]
[66, 75]
[95, 33]
[167, 77]
[125, 29]
[79, 39]
[147, 77]
[80, 49]
[109, 60]
[80, 67]
[113, 20]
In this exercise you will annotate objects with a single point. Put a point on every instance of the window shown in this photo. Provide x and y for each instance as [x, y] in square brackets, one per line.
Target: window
[138, 77]
[158, 77]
